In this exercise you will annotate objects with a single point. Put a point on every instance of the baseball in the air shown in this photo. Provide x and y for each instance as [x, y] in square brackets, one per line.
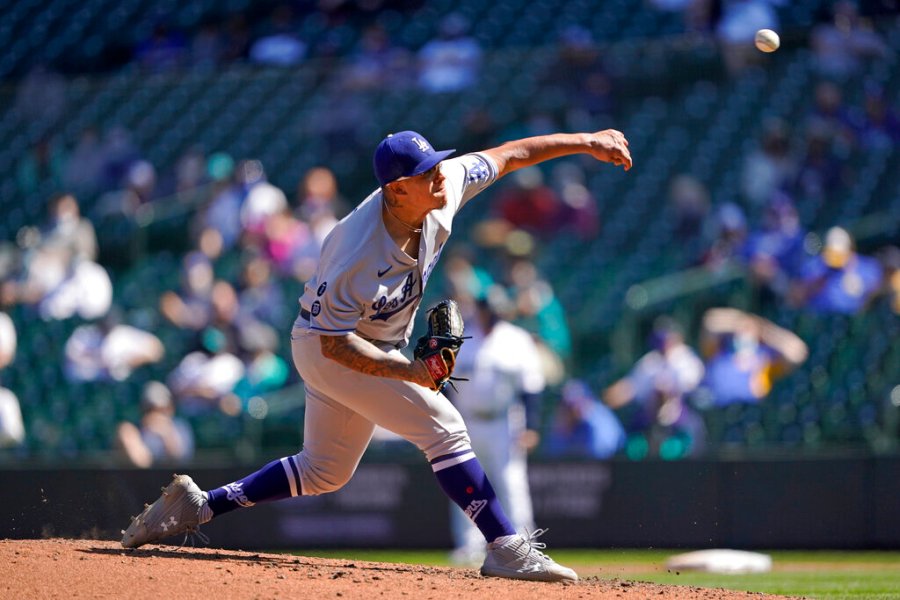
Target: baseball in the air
[767, 40]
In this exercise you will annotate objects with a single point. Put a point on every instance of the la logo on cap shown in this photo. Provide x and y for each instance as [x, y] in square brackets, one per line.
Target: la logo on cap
[405, 154]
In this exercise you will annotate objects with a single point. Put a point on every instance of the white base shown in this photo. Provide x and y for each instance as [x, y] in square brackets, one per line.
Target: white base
[721, 561]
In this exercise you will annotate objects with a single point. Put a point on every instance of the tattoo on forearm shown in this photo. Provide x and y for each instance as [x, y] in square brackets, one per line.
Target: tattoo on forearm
[356, 353]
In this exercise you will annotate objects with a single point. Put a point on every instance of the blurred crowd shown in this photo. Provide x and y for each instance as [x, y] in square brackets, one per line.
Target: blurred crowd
[211, 340]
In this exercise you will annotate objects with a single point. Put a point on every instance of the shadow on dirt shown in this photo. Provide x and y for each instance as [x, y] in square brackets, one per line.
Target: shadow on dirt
[268, 559]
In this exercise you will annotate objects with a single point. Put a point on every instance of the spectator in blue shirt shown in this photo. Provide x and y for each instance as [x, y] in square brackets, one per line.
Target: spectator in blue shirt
[583, 427]
[652, 399]
[745, 355]
[774, 252]
[838, 280]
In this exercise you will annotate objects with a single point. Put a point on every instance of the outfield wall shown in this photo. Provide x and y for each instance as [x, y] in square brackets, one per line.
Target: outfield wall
[847, 503]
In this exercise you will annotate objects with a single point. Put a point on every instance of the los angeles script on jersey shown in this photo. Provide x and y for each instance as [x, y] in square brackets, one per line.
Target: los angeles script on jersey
[389, 305]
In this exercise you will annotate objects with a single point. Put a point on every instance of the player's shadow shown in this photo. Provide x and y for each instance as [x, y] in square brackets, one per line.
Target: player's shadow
[192, 554]
[288, 560]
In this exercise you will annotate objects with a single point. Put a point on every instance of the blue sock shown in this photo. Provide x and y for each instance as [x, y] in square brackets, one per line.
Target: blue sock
[463, 480]
[278, 479]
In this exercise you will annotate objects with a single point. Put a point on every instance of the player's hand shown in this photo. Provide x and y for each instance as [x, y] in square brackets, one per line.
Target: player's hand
[418, 373]
[611, 146]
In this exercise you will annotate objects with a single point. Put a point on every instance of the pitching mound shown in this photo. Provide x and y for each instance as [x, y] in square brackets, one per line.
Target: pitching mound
[59, 568]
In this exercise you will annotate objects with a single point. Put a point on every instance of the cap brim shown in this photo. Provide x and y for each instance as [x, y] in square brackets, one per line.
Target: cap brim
[430, 161]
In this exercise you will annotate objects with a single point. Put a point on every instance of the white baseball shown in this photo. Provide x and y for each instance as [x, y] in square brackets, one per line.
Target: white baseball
[767, 40]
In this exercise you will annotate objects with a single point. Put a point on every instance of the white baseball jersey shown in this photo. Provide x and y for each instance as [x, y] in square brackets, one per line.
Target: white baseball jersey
[364, 282]
[499, 367]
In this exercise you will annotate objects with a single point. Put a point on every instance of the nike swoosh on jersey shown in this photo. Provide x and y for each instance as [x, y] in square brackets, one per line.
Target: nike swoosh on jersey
[384, 316]
[383, 273]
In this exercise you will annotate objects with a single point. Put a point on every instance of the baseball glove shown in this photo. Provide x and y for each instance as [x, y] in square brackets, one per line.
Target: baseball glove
[438, 348]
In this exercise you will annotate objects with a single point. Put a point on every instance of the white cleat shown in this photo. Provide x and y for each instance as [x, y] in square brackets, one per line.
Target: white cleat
[520, 557]
[180, 509]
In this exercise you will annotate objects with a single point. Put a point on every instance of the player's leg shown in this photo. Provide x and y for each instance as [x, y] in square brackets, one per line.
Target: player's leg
[469, 545]
[333, 434]
[513, 489]
[423, 417]
[334, 440]
[433, 424]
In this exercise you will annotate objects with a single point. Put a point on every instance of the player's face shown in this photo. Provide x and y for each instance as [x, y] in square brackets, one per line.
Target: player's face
[427, 189]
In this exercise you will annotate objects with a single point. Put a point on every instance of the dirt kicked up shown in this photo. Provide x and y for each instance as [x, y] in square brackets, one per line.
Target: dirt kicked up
[60, 568]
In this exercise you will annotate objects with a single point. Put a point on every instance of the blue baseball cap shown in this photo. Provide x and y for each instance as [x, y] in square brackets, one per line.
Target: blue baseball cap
[405, 154]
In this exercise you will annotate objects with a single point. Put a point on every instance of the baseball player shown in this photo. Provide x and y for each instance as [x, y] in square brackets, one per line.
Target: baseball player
[499, 404]
[356, 314]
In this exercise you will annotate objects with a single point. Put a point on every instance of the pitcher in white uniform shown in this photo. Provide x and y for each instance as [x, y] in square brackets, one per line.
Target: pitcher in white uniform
[356, 313]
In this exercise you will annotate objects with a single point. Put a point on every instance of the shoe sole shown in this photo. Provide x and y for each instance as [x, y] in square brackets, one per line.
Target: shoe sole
[157, 514]
[543, 576]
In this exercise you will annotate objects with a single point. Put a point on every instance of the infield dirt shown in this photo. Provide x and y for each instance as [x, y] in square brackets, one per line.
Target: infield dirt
[60, 568]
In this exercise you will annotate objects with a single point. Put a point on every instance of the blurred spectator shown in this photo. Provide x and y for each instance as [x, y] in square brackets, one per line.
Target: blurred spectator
[190, 307]
[165, 50]
[500, 405]
[58, 274]
[41, 96]
[190, 170]
[137, 189]
[43, 164]
[775, 253]
[109, 350]
[889, 257]
[205, 378]
[727, 231]
[280, 44]
[86, 291]
[161, 437]
[376, 62]
[463, 279]
[583, 427]
[12, 429]
[877, 125]
[449, 62]
[262, 199]
[770, 167]
[261, 297]
[745, 354]
[67, 229]
[579, 213]
[83, 173]
[841, 46]
[689, 199]
[657, 389]
[221, 214]
[737, 27]
[837, 280]
[319, 202]
[539, 311]
[528, 203]
[290, 245]
[265, 370]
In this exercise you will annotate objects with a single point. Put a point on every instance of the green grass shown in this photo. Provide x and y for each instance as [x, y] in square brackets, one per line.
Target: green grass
[819, 575]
